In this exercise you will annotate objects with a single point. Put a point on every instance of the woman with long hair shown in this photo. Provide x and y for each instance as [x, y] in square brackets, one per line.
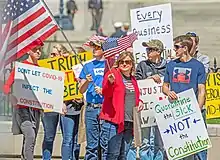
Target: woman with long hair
[121, 95]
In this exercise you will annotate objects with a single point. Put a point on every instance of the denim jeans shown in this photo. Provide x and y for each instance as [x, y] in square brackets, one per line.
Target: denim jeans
[69, 127]
[151, 147]
[118, 144]
[50, 121]
[95, 134]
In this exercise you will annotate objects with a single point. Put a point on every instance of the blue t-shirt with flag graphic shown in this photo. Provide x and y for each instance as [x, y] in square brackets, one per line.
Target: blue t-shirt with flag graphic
[96, 69]
[185, 75]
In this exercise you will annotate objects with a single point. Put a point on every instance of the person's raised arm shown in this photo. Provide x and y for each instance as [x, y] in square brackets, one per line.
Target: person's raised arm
[84, 83]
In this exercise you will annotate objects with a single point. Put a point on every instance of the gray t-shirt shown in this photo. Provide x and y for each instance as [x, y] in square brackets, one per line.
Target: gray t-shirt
[129, 98]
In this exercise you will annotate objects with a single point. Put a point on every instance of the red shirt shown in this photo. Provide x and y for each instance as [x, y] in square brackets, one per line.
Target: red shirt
[10, 81]
[114, 95]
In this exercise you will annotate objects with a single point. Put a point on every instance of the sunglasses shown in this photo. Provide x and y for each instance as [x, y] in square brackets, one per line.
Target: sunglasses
[97, 47]
[178, 47]
[125, 62]
[149, 50]
[192, 34]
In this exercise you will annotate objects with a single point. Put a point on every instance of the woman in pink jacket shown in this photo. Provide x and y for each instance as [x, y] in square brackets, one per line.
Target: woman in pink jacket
[121, 94]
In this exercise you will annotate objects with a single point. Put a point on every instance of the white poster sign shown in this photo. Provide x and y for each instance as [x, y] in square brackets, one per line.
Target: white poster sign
[39, 87]
[154, 22]
[150, 92]
[181, 126]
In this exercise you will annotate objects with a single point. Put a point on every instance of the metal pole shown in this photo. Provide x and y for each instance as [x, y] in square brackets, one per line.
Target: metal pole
[73, 50]
[63, 32]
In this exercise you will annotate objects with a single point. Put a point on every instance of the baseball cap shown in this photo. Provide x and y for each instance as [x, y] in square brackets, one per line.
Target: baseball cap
[126, 24]
[118, 24]
[154, 44]
[38, 42]
[192, 34]
[96, 42]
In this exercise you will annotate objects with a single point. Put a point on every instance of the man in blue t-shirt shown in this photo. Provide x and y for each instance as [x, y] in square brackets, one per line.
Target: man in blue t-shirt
[91, 78]
[185, 73]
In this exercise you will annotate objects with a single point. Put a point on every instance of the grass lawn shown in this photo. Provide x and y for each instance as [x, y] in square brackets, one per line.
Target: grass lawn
[213, 121]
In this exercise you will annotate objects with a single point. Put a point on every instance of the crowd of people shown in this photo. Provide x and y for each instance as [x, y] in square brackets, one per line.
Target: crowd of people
[110, 98]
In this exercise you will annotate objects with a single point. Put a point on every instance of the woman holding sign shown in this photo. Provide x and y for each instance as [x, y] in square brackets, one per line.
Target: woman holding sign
[121, 95]
[69, 122]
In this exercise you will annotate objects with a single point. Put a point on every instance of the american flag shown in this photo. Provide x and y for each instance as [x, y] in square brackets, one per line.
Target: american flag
[94, 38]
[114, 46]
[129, 86]
[24, 23]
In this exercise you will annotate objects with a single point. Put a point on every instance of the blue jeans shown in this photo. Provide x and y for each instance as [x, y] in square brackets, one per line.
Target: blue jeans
[151, 147]
[118, 144]
[69, 127]
[95, 134]
[50, 121]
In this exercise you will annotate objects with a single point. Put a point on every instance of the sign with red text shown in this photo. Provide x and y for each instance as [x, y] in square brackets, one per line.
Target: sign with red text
[39, 87]
[150, 92]
[153, 22]
[181, 126]
[65, 64]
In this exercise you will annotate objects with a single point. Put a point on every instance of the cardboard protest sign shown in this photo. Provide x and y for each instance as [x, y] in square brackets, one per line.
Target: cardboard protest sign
[181, 126]
[38, 87]
[71, 87]
[154, 22]
[213, 95]
[78, 68]
[150, 92]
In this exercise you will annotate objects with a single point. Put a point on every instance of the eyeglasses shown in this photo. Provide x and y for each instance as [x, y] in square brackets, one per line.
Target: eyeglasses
[192, 34]
[125, 62]
[149, 50]
[97, 47]
[176, 47]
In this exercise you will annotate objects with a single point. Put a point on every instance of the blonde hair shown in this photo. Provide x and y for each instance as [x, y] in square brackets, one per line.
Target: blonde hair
[60, 48]
[122, 56]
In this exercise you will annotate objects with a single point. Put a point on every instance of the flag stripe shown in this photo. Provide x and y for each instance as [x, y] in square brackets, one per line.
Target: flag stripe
[26, 14]
[30, 24]
[28, 20]
[29, 33]
[28, 27]
[31, 45]
[29, 40]
[123, 43]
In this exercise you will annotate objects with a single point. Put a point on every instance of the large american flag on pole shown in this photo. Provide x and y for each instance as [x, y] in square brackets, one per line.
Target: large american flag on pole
[24, 23]
[113, 46]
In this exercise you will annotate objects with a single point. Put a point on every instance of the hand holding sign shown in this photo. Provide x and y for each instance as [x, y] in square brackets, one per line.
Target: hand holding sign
[140, 106]
[64, 109]
[172, 95]
[156, 78]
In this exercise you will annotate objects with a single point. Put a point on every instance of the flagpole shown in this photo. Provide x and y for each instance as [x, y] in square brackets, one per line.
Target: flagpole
[80, 61]
[48, 9]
